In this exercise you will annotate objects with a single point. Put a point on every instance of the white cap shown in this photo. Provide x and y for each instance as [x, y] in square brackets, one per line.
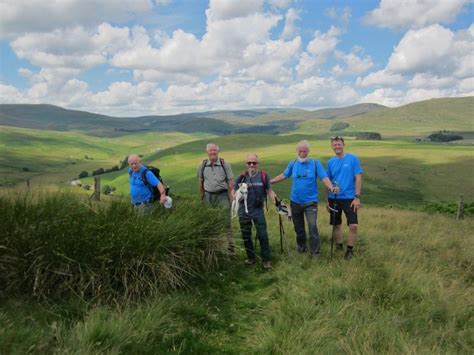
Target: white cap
[169, 202]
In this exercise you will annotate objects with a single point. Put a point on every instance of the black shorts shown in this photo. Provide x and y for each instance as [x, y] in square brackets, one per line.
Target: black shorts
[342, 205]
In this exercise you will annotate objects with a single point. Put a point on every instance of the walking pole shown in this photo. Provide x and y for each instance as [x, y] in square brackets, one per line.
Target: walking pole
[333, 212]
[281, 234]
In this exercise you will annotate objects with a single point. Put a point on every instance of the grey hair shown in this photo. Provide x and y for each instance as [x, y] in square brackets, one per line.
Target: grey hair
[210, 144]
[303, 143]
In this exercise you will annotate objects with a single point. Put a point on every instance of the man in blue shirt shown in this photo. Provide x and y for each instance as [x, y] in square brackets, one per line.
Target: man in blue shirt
[304, 196]
[140, 190]
[345, 171]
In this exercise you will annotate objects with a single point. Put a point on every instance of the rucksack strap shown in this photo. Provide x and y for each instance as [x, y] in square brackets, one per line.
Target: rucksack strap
[204, 165]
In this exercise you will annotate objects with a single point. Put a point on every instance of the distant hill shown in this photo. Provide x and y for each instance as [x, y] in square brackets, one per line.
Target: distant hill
[355, 110]
[416, 118]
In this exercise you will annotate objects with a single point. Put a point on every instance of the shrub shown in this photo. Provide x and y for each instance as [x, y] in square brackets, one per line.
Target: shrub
[369, 136]
[98, 171]
[83, 174]
[442, 137]
[59, 245]
[107, 189]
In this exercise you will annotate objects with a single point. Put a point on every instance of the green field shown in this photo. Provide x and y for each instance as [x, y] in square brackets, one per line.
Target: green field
[395, 172]
[58, 157]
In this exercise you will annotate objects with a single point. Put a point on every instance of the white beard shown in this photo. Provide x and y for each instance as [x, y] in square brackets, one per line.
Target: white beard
[303, 160]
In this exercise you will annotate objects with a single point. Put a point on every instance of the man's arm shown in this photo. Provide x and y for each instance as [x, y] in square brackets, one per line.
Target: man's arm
[358, 185]
[272, 195]
[328, 184]
[162, 192]
[231, 189]
[278, 179]
[201, 187]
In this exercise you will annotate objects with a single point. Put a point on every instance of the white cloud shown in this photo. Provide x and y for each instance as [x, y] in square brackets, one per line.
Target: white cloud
[343, 14]
[292, 15]
[25, 72]
[228, 9]
[25, 16]
[280, 4]
[317, 52]
[72, 47]
[354, 64]
[405, 14]
[381, 78]
[436, 50]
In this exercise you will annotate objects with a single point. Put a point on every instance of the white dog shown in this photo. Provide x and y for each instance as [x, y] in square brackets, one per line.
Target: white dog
[240, 194]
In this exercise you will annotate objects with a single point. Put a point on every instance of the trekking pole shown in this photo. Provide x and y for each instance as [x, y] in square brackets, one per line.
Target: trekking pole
[333, 212]
[281, 234]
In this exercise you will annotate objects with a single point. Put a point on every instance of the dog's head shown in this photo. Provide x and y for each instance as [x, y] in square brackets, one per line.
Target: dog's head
[243, 188]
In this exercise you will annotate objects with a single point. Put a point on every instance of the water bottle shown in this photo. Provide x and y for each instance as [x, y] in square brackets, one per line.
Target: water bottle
[169, 202]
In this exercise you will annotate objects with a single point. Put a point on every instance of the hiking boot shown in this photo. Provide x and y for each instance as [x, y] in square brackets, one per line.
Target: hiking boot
[302, 249]
[349, 255]
[266, 265]
[250, 262]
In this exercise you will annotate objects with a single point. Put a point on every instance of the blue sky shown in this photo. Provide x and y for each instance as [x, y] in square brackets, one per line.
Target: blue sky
[140, 57]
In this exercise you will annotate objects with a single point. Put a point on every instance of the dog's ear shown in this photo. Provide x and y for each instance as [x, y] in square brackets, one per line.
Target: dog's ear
[239, 184]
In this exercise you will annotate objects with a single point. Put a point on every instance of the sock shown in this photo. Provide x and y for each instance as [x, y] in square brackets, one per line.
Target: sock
[350, 248]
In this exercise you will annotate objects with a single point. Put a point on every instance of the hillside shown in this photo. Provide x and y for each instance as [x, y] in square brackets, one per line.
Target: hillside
[416, 119]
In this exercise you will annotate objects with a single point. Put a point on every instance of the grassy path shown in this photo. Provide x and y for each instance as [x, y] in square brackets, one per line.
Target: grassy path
[410, 290]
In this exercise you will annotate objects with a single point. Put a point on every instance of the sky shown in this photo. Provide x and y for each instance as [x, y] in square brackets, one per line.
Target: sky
[143, 57]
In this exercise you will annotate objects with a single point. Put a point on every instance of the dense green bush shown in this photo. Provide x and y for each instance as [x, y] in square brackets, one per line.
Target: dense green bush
[59, 245]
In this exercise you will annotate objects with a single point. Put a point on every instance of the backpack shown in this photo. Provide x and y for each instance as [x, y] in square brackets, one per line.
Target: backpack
[155, 171]
[204, 165]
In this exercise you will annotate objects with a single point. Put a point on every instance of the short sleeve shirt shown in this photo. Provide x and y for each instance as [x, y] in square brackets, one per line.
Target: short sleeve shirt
[342, 171]
[140, 192]
[257, 192]
[214, 176]
[304, 188]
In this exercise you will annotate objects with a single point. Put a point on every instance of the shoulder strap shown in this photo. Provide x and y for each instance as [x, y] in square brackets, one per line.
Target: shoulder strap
[264, 178]
[144, 176]
[203, 166]
[223, 167]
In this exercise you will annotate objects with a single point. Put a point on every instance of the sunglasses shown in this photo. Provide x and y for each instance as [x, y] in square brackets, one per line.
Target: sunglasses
[337, 138]
[252, 163]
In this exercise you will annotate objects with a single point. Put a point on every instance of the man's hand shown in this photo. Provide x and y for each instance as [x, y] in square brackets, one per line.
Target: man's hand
[355, 204]
[335, 189]
[327, 206]
[232, 195]
[162, 198]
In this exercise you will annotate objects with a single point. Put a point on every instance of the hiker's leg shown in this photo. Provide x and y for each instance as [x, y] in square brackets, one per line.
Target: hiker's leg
[246, 229]
[262, 235]
[352, 221]
[335, 220]
[297, 213]
[311, 213]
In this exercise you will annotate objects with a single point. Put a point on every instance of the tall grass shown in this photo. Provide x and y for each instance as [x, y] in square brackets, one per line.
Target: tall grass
[56, 246]
[409, 289]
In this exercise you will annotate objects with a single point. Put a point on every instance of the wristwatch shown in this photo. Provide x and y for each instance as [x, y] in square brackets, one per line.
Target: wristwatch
[357, 196]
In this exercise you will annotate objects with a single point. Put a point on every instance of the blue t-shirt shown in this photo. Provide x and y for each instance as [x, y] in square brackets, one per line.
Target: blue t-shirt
[257, 193]
[343, 171]
[304, 188]
[138, 190]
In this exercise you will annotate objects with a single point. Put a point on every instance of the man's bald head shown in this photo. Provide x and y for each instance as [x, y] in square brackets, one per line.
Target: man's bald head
[135, 162]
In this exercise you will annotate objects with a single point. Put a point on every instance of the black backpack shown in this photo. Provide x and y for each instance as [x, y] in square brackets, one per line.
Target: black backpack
[154, 189]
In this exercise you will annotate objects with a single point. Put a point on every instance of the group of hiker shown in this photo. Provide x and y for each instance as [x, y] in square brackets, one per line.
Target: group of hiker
[342, 179]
